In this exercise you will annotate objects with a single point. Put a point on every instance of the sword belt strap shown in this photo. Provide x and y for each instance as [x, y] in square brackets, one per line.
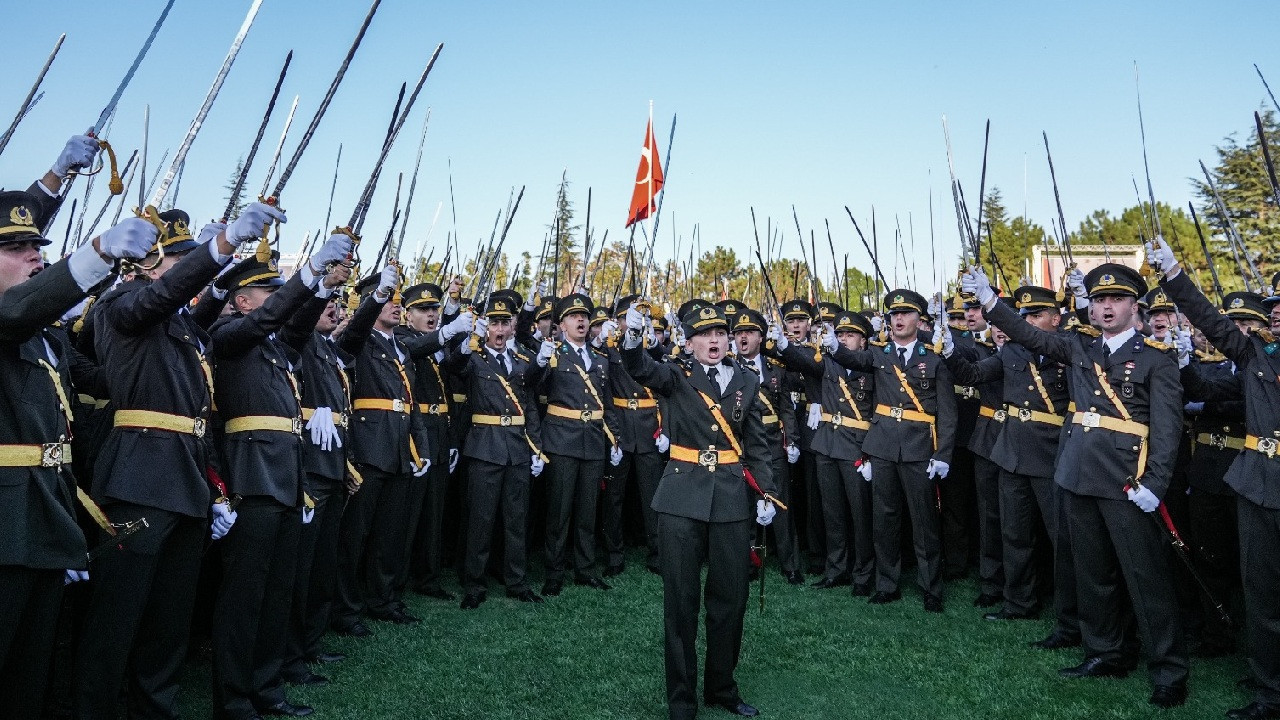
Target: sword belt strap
[35, 455]
[769, 419]
[1028, 415]
[459, 397]
[635, 403]
[153, 420]
[396, 405]
[249, 423]
[844, 421]
[571, 414]
[997, 415]
[1135, 428]
[339, 419]
[906, 387]
[848, 397]
[1222, 441]
[1266, 446]
[595, 395]
[708, 458]
[1044, 394]
[898, 413]
[503, 420]
[440, 408]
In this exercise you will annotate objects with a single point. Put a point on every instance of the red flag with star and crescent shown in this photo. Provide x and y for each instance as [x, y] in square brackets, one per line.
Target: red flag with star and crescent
[648, 180]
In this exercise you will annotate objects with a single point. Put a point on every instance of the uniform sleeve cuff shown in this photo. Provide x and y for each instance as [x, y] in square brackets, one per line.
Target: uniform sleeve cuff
[87, 267]
[217, 256]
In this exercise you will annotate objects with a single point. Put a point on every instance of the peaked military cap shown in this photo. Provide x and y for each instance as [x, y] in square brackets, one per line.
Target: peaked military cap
[827, 311]
[177, 232]
[624, 303]
[660, 323]
[258, 270]
[18, 211]
[686, 307]
[706, 318]
[599, 316]
[732, 308]
[1115, 279]
[749, 319]
[423, 295]
[575, 303]
[1158, 301]
[905, 301]
[545, 307]
[1275, 291]
[793, 309]
[847, 321]
[1033, 298]
[500, 305]
[1245, 306]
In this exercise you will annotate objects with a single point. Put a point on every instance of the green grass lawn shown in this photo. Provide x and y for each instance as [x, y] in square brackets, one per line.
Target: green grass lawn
[812, 654]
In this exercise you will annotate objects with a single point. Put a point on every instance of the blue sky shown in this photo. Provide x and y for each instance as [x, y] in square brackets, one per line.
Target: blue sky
[817, 104]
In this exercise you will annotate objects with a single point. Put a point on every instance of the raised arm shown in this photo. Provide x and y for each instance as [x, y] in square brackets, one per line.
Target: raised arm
[662, 378]
[1218, 328]
[1051, 345]
[968, 372]
[237, 335]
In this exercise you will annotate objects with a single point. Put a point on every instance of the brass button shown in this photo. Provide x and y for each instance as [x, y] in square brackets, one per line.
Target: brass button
[715, 427]
[1135, 447]
[1097, 392]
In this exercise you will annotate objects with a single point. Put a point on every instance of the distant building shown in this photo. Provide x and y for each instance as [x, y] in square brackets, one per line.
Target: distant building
[1048, 269]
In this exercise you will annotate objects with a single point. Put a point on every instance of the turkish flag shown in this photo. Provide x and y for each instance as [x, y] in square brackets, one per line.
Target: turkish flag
[648, 180]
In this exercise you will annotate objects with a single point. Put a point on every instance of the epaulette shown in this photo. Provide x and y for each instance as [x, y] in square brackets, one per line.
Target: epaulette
[1266, 335]
[1157, 344]
[878, 343]
[595, 350]
[774, 363]
[1089, 330]
[1213, 357]
[521, 356]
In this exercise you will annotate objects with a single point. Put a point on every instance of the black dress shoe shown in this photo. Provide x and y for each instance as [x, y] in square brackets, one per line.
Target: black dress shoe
[397, 616]
[613, 570]
[826, 582]
[1012, 615]
[1254, 711]
[591, 581]
[552, 588]
[986, 600]
[861, 590]
[1057, 641]
[795, 577]
[325, 658]
[433, 591]
[356, 629]
[737, 708]
[1169, 696]
[287, 709]
[310, 679]
[884, 598]
[1094, 667]
[525, 595]
[472, 601]
[932, 603]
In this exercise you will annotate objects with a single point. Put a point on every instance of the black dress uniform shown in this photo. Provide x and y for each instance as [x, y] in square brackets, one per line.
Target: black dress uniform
[705, 509]
[1125, 427]
[807, 492]
[153, 465]
[505, 435]
[958, 495]
[846, 397]
[260, 408]
[1255, 477]
[914, 422]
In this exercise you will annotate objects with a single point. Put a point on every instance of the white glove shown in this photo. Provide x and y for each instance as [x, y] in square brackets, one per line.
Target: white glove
[1161, 256]
[815, 416]
[75, 576]
[336, 249]
[651, 338]
[324, 432]
[481, 330]
[308, 514]
[779, 338]
[252, 220]
[461, 324]
[662, 442]
[615, 456]
[132, 238]
[420, 470]
[635, 319]
[1182, 341]
[877, 322]
[389, 280]
[453, 459]
[864, 469]
[210, 231]
[1075, 283]
[829, 341]
[607, 329]
[1143, 498]
[935, 306]
[948, 341]
[678, 335]
[545, 352]
[793, 454]
[938, 470]
[540, 292]
[223, 519]
[79, 152]
[536, 465]
[765, 512]
[975, 282]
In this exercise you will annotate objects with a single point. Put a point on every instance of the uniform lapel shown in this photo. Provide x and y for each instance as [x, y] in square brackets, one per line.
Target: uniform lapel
[698, 377]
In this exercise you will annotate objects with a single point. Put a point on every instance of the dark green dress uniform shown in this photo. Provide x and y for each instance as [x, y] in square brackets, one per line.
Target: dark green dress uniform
[39, 538]
[958, 495]
[914, 421]
[1255, 477]
[1103, 449]
[579, 430]
[705, 510]
[260, 408]
[505, 434]
[153, 465]
[846, 504]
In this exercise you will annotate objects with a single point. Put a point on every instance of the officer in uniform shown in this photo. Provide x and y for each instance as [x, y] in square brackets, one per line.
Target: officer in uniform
[958, 494]
[704, 503]
[41, 547]
[504, 436]
[910, 440]
[1116, 462]
[1254, 475]
[797, 320]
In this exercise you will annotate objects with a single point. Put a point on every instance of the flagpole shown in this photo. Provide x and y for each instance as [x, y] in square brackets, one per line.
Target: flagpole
[653, 215]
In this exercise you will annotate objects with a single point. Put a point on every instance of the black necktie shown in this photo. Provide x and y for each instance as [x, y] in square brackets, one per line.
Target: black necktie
[502, 363]
[1106, 350]
[713, 374]
[902, 356]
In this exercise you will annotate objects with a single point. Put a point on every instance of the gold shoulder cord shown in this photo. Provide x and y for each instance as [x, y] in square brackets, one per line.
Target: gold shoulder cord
[844, 388]
[413, 446]
[1124, 413]
[586, 379]
[906, 387]
[95, 512]
[511, 394]
[1044, 394]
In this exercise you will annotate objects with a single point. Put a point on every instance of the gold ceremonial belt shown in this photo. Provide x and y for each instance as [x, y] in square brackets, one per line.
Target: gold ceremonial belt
[431, 408]
[46, 455]
[249, 423]
[708, 458]
[968, 392]
[339, 419]
[503, 420]
[997, 415]
[152, 420]
[1029, 415]
[1215, 440]
[635, 403]
[459, 398]
[901, 414]
[92, 401]
[1266, 446]
[571, 414]
[396, 405]
[848, 422]
[1089, 420]
[769, 419]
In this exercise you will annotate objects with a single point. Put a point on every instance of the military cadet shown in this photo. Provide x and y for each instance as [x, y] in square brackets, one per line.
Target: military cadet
[374, 536]
[154, 465]
[579, 431]
[779, 421]
[1125, 391]
[958, 494]
[704, 503]
[256, 348]
[504, 436]
[797, 321]
[910, 440]
[839, 418]
[534, 322]
[424, 337]
[1255, 473]
[41, 547]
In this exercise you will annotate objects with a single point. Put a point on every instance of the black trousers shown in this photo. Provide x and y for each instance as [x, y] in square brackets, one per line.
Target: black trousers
[724, 548]
[1215, 533]
[251, 614]
[371, 546]
[1260, 569]
[425, 548]
[316, 575]
[491, 487]
[898, 488]
[1026, 504]
[846, 512]
[956, 493]
[139, 616]
[815, 530]
[29, 601]
[1117, 543]
[648, 471]
[784, 524]
[986, 476]
[573, 487]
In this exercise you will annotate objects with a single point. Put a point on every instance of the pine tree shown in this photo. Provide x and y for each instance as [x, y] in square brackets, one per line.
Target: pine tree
[239, 201]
